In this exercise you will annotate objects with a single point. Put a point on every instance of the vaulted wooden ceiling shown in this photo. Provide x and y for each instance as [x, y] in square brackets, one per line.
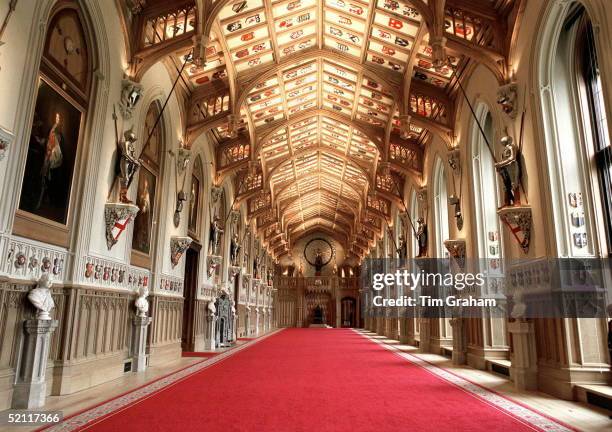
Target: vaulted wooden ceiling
[320, 109]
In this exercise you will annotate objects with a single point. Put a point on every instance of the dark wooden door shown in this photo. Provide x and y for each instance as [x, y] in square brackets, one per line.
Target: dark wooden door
[191, 284]
[348, 307]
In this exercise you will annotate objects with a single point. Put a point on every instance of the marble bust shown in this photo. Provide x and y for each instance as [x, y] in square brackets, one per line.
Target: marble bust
[40, 297]
[141, 303]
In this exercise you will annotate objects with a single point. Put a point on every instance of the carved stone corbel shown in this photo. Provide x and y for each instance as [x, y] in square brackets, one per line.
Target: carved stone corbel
[456, 249]
[131, 93]
[507, 96]
[405, 120]
[200, 42]
[183, 156]
[422, 195]
[233, 121]
[234, 216]
[215, 194]
[117, 216]
[454, 160]
[518, 219]
[136, 6]
[212, 263]
[178, 246]
[438, 51]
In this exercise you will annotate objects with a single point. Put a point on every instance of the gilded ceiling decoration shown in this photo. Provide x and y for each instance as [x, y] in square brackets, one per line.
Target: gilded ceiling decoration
[321, 109]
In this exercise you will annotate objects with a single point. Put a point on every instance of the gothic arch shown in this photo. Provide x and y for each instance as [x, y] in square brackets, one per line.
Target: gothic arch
[440, 206]
[561, 114]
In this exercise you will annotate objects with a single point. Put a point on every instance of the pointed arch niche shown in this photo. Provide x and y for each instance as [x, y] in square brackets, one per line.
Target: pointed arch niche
[415, 214]
[440, 328]
[576, 153]
[56, 138]
[575, 120]
[196, 199]
[487, 336]
[148, 187]
[485, 187]
[440, 202]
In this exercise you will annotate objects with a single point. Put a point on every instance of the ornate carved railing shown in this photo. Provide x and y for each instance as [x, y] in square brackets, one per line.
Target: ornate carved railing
[168, 26]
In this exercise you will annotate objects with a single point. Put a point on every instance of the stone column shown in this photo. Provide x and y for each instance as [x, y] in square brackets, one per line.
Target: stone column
[407, 326]
[424, 335]
[31, 388]
[257, 313]
[139, 343]
[247, 331]
[300, 304]
[378, 323]
[338, 311]
[524, 360]
[395, 325]
[209, 344]
[235, 326]
[459, 341]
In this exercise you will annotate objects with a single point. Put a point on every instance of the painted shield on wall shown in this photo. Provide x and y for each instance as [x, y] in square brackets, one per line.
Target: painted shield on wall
[577, 219]
[580, 240]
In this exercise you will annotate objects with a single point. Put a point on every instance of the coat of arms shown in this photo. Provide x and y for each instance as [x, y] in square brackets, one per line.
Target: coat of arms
[578, 219]
[580, 240]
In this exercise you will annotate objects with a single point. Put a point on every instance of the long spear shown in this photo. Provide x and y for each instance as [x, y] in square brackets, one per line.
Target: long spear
[477, 121]
[146, 144]
[161, 112]
[235, 198]
[405, 206]
[395, 248]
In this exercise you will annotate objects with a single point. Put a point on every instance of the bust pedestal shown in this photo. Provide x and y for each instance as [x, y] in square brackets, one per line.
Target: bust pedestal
[31, 388]
[139, 343]
[524, 370]
[210, 343]
[257, 319]
[459, 341]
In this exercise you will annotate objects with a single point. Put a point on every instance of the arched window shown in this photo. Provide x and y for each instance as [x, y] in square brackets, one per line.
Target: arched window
[485, 190]
[577, 136]
[401, 238]
[414, 217]
[246, 251]
[146, 194]
[64, 90]
[222, 211]
[440, 201]
[594, 115]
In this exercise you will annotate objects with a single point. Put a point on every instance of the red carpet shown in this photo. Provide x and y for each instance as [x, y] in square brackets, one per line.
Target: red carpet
[313, 380]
